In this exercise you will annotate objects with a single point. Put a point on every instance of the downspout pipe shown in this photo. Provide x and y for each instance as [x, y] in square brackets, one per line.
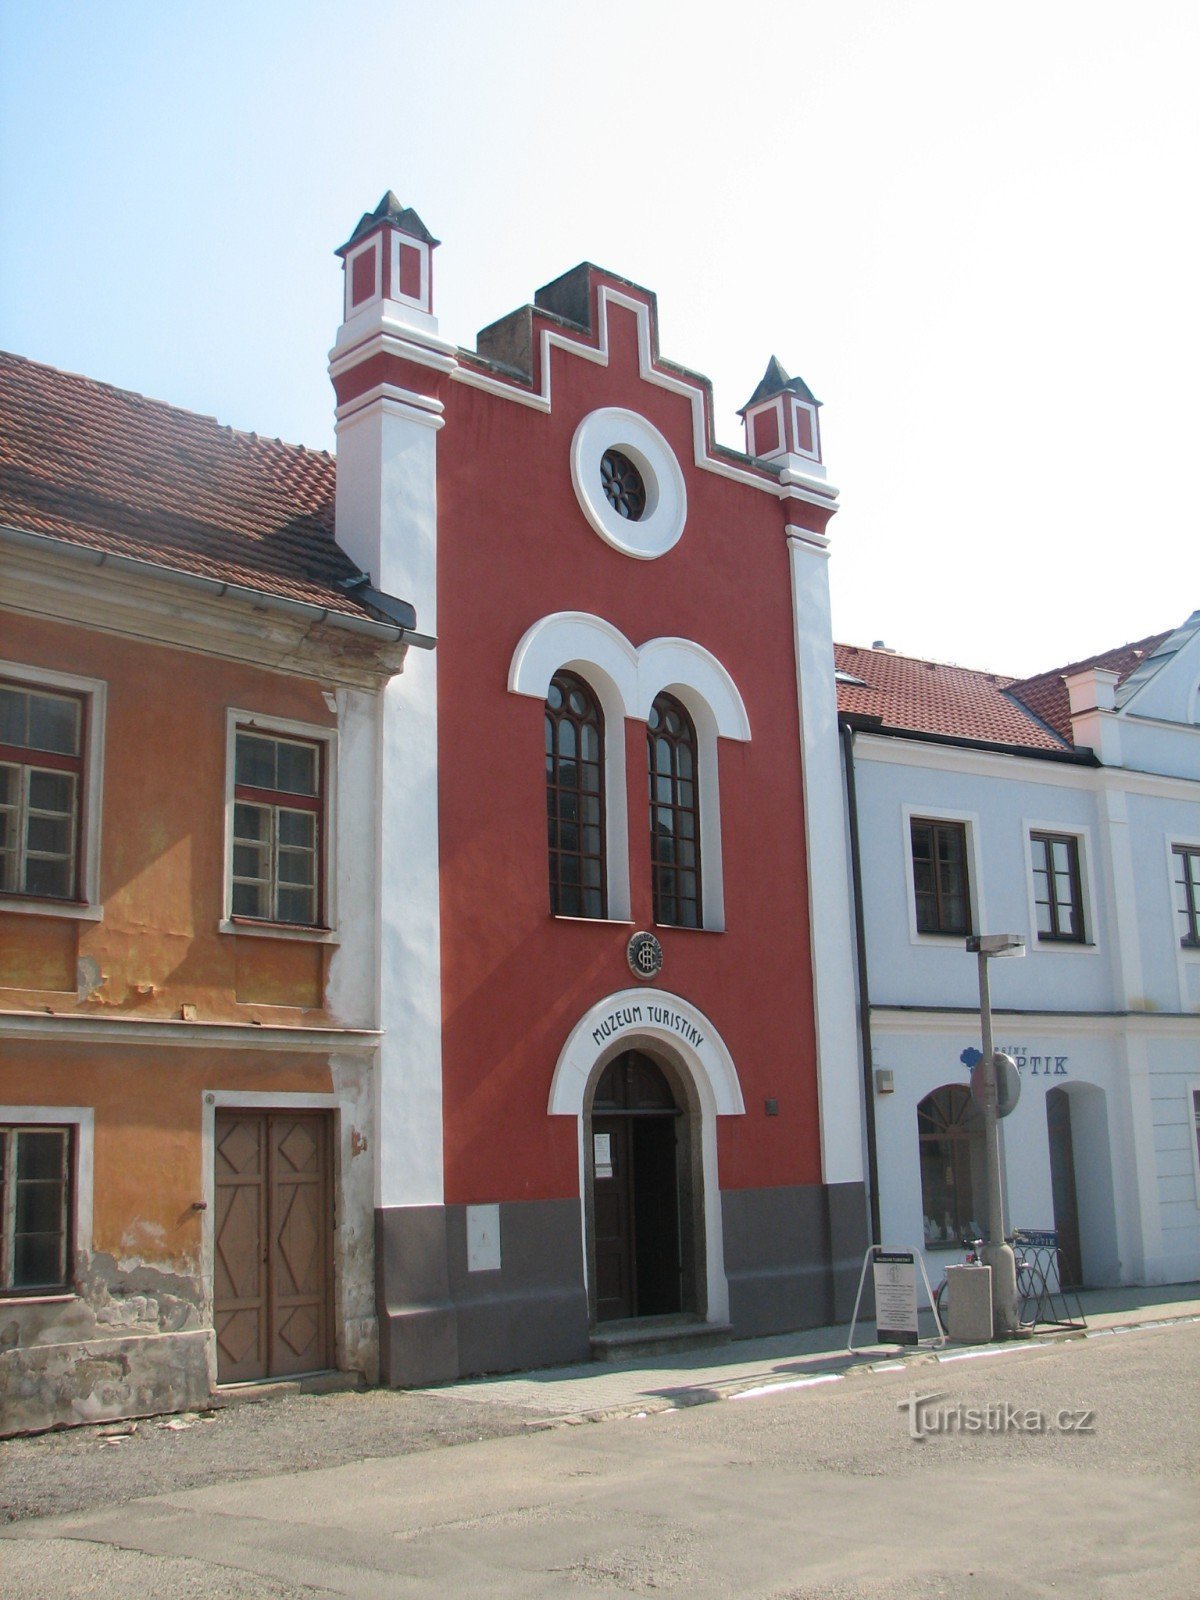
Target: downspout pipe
[864, 993]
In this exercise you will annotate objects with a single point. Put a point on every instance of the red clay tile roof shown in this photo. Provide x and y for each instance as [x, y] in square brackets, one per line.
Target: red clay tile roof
[1046, 694]
[927, 697]
[100, 467]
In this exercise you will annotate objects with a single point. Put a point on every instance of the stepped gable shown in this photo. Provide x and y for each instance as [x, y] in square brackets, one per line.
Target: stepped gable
[1046, 693]
[112, 471]
[908, 694]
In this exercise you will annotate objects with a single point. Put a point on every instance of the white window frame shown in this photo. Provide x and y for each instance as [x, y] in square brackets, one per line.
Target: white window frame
[1191, 1090]
[87, 908]
[1174, 842]
[82, 1121]
[284, 728]
[1090, 944]
[626, 681]
[970, 821]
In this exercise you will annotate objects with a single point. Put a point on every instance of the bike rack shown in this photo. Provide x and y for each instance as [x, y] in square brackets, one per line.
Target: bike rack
[1052, 1302]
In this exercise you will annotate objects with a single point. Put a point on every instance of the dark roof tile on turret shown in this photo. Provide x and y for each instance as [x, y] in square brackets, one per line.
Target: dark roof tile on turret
[774, 381]
[390, 210]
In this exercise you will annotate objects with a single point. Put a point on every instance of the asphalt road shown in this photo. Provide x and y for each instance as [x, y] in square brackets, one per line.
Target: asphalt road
[817, 1493]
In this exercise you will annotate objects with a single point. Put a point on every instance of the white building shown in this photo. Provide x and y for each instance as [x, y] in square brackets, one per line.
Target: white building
[1065, 808]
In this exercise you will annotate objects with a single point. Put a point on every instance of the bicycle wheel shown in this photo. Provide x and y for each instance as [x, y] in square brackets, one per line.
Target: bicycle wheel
[939, 1302]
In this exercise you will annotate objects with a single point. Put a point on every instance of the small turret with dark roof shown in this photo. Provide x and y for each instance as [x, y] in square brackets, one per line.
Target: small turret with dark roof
[781, 422]
[390, 210]
[389, 258]
[774, 381]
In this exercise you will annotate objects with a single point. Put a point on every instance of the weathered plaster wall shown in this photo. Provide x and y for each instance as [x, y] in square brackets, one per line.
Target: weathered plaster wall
[157, 946]
[135, 1335]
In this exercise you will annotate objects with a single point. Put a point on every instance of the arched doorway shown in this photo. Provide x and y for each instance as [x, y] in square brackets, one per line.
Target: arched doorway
[1062, 1188]
[1081, 1183]
[953, 1165]
[642, 1230]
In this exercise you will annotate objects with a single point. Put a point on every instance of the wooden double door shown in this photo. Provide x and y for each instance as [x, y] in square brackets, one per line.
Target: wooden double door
[273, 1289]
[635, 1192]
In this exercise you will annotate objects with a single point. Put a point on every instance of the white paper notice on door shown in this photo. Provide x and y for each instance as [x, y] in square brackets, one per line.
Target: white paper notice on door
[602, 1154]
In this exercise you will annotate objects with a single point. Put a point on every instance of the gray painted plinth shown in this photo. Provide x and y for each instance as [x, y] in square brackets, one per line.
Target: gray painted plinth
[440, 1321]
[792, 1255]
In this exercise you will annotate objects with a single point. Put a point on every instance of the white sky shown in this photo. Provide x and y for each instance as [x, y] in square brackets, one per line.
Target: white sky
[971, 229]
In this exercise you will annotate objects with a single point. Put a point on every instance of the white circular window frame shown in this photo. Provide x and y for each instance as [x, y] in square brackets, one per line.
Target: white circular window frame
[660, 525]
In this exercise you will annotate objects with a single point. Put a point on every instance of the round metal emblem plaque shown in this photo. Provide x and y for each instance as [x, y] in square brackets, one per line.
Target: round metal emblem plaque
[645, 956]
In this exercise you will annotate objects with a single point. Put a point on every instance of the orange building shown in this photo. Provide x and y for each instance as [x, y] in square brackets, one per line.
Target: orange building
[191, 677]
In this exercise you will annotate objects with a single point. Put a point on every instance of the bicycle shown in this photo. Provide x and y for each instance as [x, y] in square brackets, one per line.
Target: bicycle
[1031, 1286]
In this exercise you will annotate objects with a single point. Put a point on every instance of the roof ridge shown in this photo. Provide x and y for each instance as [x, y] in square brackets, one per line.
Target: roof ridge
[1146, 647]
[150, 401]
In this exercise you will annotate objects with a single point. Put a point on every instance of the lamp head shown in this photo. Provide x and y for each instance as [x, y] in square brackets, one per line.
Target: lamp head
[996, 944]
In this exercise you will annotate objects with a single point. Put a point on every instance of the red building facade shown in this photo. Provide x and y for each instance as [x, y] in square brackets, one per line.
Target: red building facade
[618, 1084]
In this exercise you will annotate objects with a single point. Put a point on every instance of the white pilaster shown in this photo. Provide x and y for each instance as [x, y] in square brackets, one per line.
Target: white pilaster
[387, 524]
[838, 1076]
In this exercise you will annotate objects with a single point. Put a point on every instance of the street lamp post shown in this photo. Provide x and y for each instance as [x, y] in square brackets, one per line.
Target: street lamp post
[997, 1254]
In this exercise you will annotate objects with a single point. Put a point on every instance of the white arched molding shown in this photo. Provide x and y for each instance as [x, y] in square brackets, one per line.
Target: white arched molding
[634, 1017]
[573, 641]
[627, 681]
[698, 680]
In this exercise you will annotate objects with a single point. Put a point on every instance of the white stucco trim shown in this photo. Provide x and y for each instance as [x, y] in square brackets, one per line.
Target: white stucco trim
[694, 674]
[977, 912]
[575, 638]
[1187, 959]
[1191, 1091]
[627, 681]
[827, 853]
[372, 247]
[1090, 943]
[660, 526]
[620, 1022]
[420, 301]
[708, 1059]
[83, 1120]
[791, 487]
[308, 733]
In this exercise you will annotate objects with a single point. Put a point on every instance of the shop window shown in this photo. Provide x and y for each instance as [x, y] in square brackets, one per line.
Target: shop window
[674, 814]
[35, 1207]
[41, 791]
[940, 882]
[279, 827]
[1057, 892]
[1186, 859]
[575, 798]
[953, 1178]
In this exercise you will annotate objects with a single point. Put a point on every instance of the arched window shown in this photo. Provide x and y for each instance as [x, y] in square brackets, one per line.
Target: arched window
[953, 1180]
[575, 798]
[674, 814]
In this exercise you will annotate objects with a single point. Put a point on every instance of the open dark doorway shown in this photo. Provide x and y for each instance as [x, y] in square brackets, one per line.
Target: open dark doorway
[635, 1191]
[1062, 1187]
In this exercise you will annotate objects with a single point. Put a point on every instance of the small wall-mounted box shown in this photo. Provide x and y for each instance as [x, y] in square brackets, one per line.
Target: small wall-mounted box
[885, 1083]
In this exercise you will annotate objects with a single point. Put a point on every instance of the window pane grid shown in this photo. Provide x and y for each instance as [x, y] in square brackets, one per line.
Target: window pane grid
[674, 814]
[939, 860]
[41, 768]
[574, 799]
[277, 818]
[34, 1207]
[1187, 892]
[1056, 887]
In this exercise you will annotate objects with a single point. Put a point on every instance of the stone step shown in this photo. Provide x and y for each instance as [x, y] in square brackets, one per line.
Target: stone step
[656, 1336]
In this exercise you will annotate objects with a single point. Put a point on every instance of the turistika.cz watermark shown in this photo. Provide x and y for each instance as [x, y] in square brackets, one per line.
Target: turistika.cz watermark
[926, 1417]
